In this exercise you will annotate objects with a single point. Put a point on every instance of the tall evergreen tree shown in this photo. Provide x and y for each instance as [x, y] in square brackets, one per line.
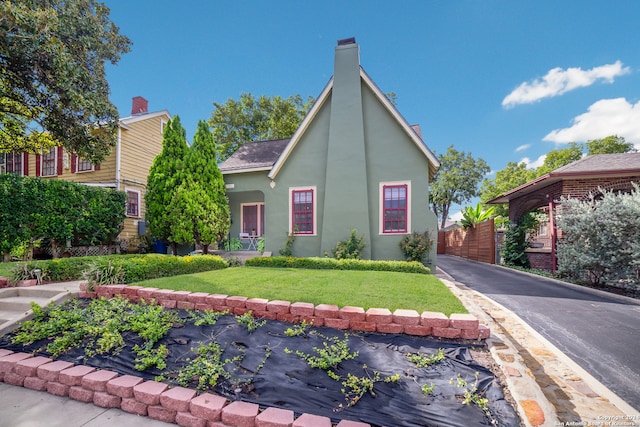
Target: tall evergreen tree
[201, 203]
[165, 176]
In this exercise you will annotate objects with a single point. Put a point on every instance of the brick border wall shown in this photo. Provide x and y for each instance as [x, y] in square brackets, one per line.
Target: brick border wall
[410, 322]
[179, 405]
[182, 406]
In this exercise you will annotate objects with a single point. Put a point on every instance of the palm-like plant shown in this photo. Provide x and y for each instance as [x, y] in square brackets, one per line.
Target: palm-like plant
[475, 215]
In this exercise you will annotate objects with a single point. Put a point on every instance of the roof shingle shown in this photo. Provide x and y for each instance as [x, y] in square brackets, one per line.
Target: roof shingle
[255, 155]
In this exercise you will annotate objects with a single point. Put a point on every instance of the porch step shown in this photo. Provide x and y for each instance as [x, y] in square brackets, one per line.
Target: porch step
[15, 303]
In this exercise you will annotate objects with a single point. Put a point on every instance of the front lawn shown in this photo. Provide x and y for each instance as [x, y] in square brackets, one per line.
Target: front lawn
[366, 289]
[6, 269]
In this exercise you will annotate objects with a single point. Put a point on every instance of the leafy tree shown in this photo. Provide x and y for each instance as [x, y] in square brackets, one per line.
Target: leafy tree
[609, 145]
[512, 176]
[255, 119]
[560, 157]
[53, 88]
[456, 182]
[601, 238]
[165, 176]
[200, 202]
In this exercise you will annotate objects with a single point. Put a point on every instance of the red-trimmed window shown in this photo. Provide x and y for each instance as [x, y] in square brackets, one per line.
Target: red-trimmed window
[394, 208]
[11, 163]
[133, 203]
[49, 163]
[84, 165]
[302, 211]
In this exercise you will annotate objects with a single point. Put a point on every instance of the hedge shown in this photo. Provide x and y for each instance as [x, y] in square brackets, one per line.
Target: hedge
[135, 267]
[338, 264]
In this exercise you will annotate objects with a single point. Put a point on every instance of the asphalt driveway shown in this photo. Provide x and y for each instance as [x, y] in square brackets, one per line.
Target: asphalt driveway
[599, 331]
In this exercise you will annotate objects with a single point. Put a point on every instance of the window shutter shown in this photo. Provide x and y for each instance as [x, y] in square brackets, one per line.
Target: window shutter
[73, 164]
[59, 165]
[25, 164]
[38, 164]
[96, 167]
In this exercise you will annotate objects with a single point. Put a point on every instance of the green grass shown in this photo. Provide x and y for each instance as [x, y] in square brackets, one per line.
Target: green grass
[6, 268]
[366, 289]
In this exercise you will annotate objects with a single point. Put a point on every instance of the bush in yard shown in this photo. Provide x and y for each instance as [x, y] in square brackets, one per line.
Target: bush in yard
[337, 264]
[416, 246]
[517, 238]
[34, 210]
[601, 239]
[350, 248]
[126, 268]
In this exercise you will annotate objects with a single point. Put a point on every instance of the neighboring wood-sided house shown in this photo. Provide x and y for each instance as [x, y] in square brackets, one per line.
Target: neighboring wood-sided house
[354, 163]
[126, 168]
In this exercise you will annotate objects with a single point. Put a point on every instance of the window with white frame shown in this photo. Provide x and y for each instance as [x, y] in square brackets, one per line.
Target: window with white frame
[395, 213]
[49, 162]
[133, 203]
[84, 165]
[11, 163]
[302, 210]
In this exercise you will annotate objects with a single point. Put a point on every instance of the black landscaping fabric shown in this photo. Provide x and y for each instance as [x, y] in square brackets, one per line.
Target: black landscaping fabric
[286, 380]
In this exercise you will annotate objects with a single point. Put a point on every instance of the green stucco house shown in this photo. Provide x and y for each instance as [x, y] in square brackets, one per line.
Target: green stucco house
[354, 162]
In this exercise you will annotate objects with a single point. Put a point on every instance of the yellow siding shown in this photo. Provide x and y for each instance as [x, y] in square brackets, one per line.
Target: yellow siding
[141, 142]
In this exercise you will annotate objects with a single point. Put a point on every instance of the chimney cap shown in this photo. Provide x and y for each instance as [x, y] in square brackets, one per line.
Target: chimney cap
[344, 42]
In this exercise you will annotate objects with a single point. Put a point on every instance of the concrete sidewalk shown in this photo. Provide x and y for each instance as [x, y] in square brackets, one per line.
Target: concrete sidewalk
[22, 407]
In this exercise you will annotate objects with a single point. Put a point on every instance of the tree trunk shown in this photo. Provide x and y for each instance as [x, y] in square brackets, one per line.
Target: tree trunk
[205, 249]
[174, 249]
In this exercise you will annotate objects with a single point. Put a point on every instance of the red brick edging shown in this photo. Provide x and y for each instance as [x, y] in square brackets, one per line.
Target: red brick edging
[410, 322]
[132, 394]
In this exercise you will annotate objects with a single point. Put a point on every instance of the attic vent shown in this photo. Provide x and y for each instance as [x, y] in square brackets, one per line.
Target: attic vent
[350, 40]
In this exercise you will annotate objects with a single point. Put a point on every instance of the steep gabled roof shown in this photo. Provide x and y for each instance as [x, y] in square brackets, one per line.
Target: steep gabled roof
[597, 165]
[254, 156]
[434, 164]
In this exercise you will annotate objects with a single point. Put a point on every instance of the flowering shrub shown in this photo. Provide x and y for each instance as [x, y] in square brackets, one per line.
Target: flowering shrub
[338, 264]
[416, 246]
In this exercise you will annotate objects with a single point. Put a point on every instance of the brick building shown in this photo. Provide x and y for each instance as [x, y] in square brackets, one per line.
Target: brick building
[580, 179]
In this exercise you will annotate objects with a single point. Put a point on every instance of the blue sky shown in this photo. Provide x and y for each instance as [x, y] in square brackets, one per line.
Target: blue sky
[503, 80]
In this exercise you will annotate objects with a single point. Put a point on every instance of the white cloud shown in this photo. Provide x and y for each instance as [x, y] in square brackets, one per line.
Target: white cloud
[558, 81]
[523, 147]
[603, 118]
[456, 217]
[535, 164]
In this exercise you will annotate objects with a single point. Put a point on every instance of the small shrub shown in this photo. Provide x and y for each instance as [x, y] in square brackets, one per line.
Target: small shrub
[231, 245]
[350, 248]
[287, 250]
[416, 246]
[260, 245]
[99, 274]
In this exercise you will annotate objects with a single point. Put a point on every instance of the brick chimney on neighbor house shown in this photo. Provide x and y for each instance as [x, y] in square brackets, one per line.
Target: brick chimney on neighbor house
[139, 105]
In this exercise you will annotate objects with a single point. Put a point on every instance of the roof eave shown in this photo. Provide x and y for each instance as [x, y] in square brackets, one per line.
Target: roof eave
[245, 170]
[324, 95]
